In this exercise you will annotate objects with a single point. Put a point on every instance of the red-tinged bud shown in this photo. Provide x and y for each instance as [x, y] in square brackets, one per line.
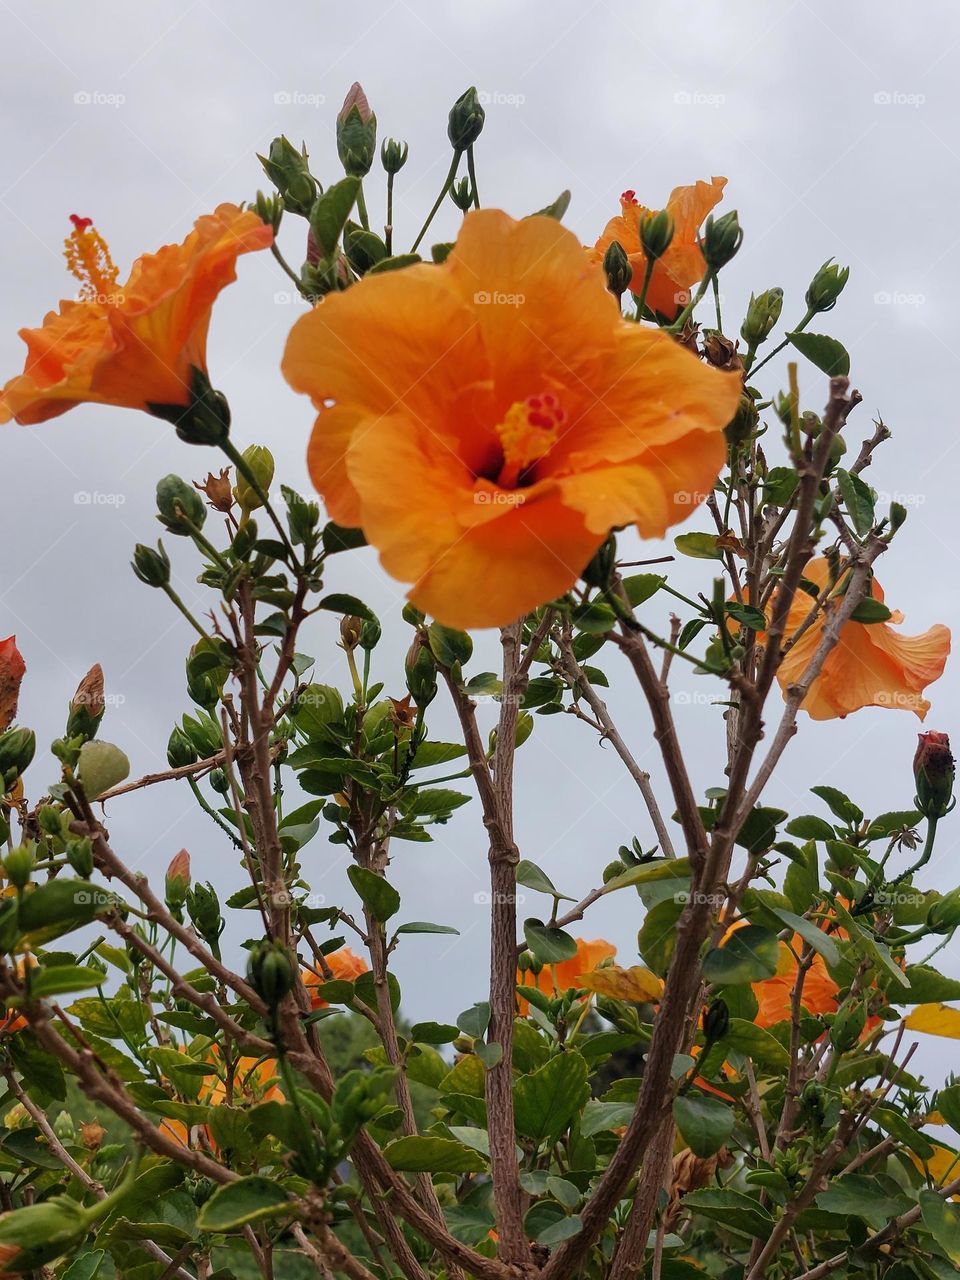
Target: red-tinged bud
[12, 670]
[934, 769]
[356, 133]
[87, 704]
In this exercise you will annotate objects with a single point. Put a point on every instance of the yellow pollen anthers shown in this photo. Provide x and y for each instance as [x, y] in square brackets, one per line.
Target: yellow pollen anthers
[528, 432]
[88, 258]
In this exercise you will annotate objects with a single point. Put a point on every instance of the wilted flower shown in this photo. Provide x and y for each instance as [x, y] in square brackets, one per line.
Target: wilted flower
[934, 769]
[12, 671]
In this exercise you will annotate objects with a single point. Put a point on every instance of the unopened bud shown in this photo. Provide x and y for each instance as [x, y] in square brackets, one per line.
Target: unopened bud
[527, 962]
[204, 908]
[180, 750]
[465, 122]
[744, 422]
[271, 972]
[848, 1025]
[598, 571]
[17, 748]
[618, 270]
[18, 865]
[151, 567]
[716, 1020]
[827, 286]
[934, 770]
[722, 238]
[461, 194]
[219, 781]
[421, 673]
[289, 171]
[79, 852]
[393, 155]
[86, 707]
[177, 883]
[763, 313]
[350, 629]
[656, 233]
[370, 634]
[260, 464]
[180, 508]
[356, 133]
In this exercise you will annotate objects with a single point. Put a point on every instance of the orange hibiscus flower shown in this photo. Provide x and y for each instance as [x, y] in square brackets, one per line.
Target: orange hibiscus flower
[132, 344]
[555, 979]
[487, 422]
[775, 995]
[254, 1080]
[12, 671]
[343, 964]
[682, 265]
[872, 665]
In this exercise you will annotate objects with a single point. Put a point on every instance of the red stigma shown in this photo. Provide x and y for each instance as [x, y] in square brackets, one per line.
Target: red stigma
[79, 223]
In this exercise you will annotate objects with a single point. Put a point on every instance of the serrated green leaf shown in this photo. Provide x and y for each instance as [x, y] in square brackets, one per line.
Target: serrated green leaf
[827, 354]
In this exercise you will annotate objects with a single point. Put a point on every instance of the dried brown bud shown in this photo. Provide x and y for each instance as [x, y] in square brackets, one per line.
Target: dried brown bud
[89, 693]
[687, 337]
[92, 1135]
[350, 629]
[720, 351]
[218, 489]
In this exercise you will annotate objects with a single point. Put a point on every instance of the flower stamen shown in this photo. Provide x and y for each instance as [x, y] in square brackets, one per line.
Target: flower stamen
[88, 258]
[528, 432]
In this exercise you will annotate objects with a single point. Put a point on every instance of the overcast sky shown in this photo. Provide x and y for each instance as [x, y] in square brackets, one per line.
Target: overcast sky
[835, 126]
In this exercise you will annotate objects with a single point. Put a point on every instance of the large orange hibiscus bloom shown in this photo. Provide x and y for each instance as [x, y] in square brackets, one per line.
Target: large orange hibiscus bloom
[489, 421]
[132, 344]
[682, 265]
[343, 965]
[775, 995]
[872, 665]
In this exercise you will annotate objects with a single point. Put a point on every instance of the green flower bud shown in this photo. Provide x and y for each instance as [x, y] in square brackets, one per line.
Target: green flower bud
[18, 865]
[79, 852]
[64, 1127]
[722, 238]
[17, 748]
[260, 462]
[716, 1020]
[102, 766]
[944, 914]
[465, 122]
[612, 870]
[848, 1025]
[412, 615]
[618, 270]
[744, 422]
[393, 155]
[204, 908]
[180, 750]
[527, 962]
[934, 771]
[219, 781]
[461, 194]
[204, 419]
[87, 705]
[271, 972]
[421, 673]
[370, 634]
[763, 313]
[827, 286]
[814, 1102]
[180, 507]
[177, 883]
[656, 233]
[289, 171]
[269, 209]
[151, 567]
[598, 571]
[49, 819]
[356, 133]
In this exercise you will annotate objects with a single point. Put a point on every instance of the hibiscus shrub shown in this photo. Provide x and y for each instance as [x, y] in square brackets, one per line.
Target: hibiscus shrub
[732, 1100]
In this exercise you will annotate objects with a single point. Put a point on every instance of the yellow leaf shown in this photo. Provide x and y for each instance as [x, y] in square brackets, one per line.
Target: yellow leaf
[935, 1019]
[942, 1166]
[637, 984]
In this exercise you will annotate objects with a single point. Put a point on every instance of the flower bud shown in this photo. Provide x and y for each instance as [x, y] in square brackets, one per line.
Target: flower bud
[18, 865]
[49, 820]
[848, 1025]
[204, 908]
[716, 1020]
[356, 133]
[944, 915]
[656, 233]
[934, 770]
[465, 122]
[598, 571]
[289, 171]
[744, 422]
[271, 972]
[179, 505]
[269, 209]
[64, 1127]
[393, 155]
[177, 883]
[86, 707]
[722, 238]
[720, 351]
[350, 629]
[180, 750]
[92, 1135]
[461, 194]
[218, 490]
[412, 615]
[219, 781]
[612, 870]
[421, 672]
[151, 567]
[827, 286]
[618, 270]
[260, 462]
[79, 850]
[370, 634]
[17, 748]
[204, 419]
[763, 313]
[102, 766]
[898, 515]
[527, 962]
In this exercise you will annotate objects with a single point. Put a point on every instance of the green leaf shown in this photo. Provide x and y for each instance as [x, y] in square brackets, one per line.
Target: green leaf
[827, 354]
[337, 537]
[433, 801]
[756, 1043]
[396, 263]
[649, 873]
[377, 895]
[433, 1155]
[858, 500]
[346, 606]
[56, 907]
[490, 1054]
[598, 1116]
[62, 979]
[704, 1123]
[821, 942]
[840, 805]
[560, 1230]
[433, 1032]
[870, 611]
[862, 1197]
[237, 1203]
[37, 1066]
[926, 986]
[809, 827]
[432, 753]
[734, 1210]
[330, 212]
[549, 944]
[448, 645]
[658, 933]
[554, 210]
[748, 955]
[700, 546]
[747, 616]
[639, 587]
[424, 926]
[801, 884]
[533, 877]
[85, 1267]
[942, 1220]
[547, 1100]
[475, 1020]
